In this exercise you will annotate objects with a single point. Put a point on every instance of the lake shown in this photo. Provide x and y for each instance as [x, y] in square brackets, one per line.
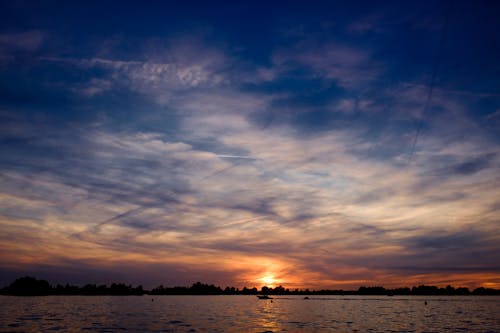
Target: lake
[248, 314]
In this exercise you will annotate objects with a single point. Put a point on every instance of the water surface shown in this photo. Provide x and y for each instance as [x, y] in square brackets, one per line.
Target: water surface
[248, 314]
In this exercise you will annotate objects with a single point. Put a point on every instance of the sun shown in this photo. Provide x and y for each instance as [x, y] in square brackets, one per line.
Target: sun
[268, 280]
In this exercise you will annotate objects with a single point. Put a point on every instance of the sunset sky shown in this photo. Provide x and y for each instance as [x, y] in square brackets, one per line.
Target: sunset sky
[315, 145]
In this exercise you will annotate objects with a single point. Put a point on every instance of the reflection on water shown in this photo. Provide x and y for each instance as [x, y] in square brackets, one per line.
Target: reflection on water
[248, 314]
[268, 318]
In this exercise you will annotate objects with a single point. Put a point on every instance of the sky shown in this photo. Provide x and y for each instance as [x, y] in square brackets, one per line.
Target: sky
[310, 144]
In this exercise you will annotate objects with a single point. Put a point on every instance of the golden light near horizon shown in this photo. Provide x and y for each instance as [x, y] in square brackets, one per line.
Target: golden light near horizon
[269, 280]
[266, 271]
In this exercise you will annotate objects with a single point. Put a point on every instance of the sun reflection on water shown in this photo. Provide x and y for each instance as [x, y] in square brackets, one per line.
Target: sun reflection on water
[269, 316]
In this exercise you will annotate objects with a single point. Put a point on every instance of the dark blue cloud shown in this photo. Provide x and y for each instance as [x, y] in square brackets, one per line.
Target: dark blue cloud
[474, 165]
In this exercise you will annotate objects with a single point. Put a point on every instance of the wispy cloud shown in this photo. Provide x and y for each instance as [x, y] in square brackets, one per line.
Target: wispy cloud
[228, 167]
[178, 66]
[27, 40]
[169, 198]
[14, 43]
[347, 65]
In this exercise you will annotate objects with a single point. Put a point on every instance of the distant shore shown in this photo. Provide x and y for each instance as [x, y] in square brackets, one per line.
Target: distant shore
[30, 286]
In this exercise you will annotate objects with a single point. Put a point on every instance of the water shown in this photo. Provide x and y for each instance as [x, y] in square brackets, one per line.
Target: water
[248, 314]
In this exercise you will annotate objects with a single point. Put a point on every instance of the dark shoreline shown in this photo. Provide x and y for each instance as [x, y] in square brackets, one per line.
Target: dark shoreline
[29, 286]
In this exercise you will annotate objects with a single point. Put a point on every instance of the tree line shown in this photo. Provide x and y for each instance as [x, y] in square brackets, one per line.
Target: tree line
[30, 286]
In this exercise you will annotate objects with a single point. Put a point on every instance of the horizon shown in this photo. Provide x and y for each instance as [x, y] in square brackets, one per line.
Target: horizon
[260, 289]
[326, 145]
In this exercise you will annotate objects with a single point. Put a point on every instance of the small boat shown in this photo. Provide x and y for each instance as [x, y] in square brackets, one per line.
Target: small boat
[264, 297]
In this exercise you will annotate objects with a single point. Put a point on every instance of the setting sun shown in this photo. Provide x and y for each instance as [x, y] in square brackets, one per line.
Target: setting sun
[268, 280]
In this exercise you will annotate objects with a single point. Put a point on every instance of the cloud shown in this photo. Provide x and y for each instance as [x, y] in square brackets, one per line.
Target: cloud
[468, 249]
[474, 165]
[297, 167]
[348, 66]
[144, 75]
[25, 41]
[94, 87]
[175, 66]
[144, 196]
[17, 43]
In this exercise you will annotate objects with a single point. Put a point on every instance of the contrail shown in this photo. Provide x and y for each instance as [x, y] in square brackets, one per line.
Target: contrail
[237, 156]
[433, 81]
[133, 211]
[451, 91]
[243, 221]
[117, 217]
[215, 173]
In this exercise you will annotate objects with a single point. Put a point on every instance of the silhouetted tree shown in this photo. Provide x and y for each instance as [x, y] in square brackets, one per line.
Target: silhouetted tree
[29, 286]
[425, 290]
[372, 291]
[486, 291]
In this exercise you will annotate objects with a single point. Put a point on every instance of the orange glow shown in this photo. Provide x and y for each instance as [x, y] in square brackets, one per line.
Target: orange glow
[268, 280]
[23, 243]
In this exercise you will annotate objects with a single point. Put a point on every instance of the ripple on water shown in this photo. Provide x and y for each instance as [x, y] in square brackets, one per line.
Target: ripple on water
[56, 328]
[298, 324]
[244, 314]
[30, 317]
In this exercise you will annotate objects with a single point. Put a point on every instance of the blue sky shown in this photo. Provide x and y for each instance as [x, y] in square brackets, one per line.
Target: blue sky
[318, 144]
